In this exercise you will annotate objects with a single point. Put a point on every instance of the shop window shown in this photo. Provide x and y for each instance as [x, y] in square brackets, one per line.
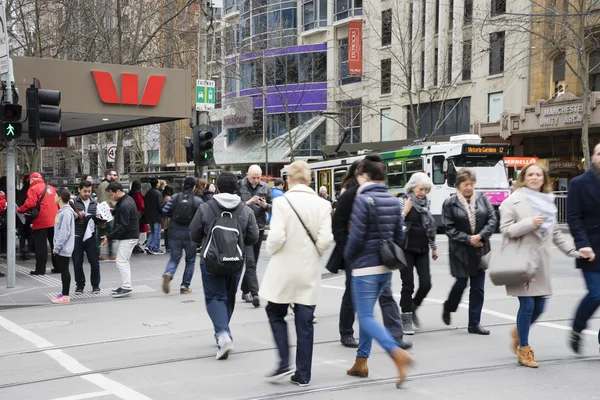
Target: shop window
[496, 53]
[386, 27]
[439, 177]
[466, 61]
[386, 76]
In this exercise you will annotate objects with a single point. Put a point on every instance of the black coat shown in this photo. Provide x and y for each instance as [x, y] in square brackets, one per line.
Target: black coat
[339, 225]
[153, 205]
[465, 260]
[126, 222]
[583, 216]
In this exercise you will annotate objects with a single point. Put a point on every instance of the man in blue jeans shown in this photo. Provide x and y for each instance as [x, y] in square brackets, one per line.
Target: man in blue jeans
[583, 216]
[219, 290]
[181, 209]
[153, 204]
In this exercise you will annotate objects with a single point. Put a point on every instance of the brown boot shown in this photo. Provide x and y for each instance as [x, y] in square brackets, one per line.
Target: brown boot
[402, 360]
[525, 356]
[359, 368]
[514, 345]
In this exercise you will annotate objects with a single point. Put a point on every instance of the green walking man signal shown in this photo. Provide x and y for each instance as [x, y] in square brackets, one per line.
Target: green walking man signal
[11, 131]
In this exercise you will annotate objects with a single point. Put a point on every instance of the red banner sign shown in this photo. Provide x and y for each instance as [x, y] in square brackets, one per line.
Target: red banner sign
[519, 161]
[355, 47]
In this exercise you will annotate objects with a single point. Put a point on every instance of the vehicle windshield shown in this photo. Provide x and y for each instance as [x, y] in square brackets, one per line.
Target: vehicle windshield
[491, 174]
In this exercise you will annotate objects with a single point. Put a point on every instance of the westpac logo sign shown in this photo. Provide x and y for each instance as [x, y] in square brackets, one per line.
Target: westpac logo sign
[129, 89]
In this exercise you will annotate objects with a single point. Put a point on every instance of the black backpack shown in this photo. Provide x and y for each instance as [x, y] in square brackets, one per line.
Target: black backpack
[184, 208]
[224, 252]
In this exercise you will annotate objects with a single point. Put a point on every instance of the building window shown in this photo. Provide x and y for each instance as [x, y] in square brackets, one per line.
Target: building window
[558, 70]
[496, 53]
[216, 128]
[386, 27]
[439, 118]
[423, 23]
[437, 13]
[468, 16]
[422, 69]
[386, 133]
[153, 156]
[218, 92]
[310, 147]
[449, 66]
[435, 67]
[410, 21]
[594, 67]
[314, 14]
[466, 61]
[451, 14]
[351, 119]
[495, 105]
[386, 76]
[344, 70]
[498, 7]
[347, 8]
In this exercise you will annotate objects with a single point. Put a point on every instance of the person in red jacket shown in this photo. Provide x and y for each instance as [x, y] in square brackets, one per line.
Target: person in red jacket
[43, 225]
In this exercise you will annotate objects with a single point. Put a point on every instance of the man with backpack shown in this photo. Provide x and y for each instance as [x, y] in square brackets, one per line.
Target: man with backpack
[181, 209]
[224, 226]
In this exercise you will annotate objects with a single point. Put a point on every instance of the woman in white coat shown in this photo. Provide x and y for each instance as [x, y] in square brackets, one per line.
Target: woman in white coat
[529, 216]
[300, 232]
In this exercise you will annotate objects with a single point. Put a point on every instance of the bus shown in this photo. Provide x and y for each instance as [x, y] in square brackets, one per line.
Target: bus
[439, 160]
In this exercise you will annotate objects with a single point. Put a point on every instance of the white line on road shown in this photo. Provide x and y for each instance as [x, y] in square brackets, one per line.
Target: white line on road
[489, 312]
[84, 396]
[72, 365]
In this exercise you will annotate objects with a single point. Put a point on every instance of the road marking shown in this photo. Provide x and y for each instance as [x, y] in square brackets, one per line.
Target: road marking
[103, 293]
[85, 396]
[45, 279]
[489, 312]
[18, 291]
[72, 365]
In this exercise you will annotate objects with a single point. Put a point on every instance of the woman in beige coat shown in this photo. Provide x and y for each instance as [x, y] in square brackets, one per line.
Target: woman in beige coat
[300, 232]
[529, 216]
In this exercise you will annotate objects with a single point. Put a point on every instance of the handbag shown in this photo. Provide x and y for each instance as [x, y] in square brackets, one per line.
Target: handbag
[36, 210]
[392, 255]
[509, 266]
[304, 226]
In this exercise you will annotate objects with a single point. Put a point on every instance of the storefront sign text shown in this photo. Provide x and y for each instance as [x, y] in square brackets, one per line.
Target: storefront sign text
[571, 114]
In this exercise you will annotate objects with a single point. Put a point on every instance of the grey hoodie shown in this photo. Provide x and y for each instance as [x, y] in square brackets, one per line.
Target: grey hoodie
[64, 231]
[200, 225]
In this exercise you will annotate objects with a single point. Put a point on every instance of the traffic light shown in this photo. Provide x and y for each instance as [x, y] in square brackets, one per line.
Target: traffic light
[189, 149]
[203, 144]
[11, 130]
[11, 112]
[43, 112]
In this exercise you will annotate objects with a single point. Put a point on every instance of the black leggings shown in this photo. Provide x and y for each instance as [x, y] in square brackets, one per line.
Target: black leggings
[62, 264]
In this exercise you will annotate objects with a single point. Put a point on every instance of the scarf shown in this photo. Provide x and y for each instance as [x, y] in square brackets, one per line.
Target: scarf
[420, 206]
[470, 207]
[542, 204]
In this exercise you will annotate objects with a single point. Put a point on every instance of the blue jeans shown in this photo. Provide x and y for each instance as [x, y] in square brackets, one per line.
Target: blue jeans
[590, 303]
[530, 309]
[365, 292]
[154, 237]
[303, 319]
[177, 246]
[219, 295]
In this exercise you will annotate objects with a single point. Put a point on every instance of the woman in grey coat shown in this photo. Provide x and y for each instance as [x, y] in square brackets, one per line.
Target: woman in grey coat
[529, 217]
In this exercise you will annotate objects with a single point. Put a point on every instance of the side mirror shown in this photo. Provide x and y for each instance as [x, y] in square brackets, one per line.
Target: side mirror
[445, 166]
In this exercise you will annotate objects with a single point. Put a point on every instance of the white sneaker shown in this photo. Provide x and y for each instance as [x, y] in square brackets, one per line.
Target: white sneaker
[225, 346]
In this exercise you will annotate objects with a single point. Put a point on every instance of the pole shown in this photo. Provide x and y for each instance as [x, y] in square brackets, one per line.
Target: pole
[264, 119]
[202, 116]
[11, 180]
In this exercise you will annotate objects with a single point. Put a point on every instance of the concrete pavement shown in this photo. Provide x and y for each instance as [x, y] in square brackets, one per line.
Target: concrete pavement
[154, 346]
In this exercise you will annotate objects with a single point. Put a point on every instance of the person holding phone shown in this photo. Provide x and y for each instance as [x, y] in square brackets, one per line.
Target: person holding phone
[257, 195]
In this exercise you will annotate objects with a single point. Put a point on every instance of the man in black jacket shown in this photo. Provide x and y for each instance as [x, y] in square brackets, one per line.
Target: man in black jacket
[85, 239]
[126, 230]
[257, 195]
[153, 202]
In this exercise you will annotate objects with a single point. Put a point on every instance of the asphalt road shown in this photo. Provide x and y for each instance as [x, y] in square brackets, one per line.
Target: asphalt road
[154, 346]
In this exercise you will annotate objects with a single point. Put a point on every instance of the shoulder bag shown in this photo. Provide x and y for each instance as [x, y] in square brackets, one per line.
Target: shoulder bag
[36, 210]
[509, 266]
[392, 255]
[304, 226]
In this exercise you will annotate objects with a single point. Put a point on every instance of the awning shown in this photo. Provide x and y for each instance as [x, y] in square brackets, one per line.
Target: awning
[250, 149]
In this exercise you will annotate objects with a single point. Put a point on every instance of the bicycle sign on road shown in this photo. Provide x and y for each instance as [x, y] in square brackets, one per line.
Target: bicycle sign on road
[205, 95]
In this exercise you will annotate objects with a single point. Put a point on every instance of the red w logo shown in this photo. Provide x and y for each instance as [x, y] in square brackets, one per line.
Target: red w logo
[129, 89]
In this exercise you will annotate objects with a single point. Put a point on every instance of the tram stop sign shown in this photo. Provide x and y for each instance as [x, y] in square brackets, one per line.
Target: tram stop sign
[205, 95]
[11, 130]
